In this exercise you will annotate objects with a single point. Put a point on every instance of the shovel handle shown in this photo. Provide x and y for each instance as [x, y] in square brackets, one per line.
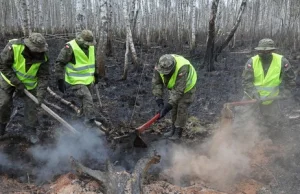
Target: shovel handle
[147, 124]
[49, 111]
[253, 101]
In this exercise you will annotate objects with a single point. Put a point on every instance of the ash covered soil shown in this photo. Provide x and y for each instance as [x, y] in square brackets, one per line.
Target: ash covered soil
[207, 160]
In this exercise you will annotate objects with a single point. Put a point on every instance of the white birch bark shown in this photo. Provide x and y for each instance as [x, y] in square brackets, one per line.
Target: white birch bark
[80, 16]
[193, 27]
[102, 41]
[129, 35]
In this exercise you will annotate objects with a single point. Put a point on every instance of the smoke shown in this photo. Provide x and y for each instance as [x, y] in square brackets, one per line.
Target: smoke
[219, 161]
[55, 158]
[4, 161]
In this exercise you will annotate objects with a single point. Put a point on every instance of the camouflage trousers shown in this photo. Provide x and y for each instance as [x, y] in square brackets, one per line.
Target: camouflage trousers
[84, 94]
[6, 105]
[180, 110]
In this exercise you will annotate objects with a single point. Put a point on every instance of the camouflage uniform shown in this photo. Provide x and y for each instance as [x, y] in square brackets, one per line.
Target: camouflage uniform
[66, 55]
[270, 112]
[179, 100]
[34, 52]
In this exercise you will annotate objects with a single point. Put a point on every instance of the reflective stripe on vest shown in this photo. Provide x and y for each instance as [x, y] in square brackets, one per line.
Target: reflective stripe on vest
[29, 78]
[267, 85]
[82, 72]
[191, 79]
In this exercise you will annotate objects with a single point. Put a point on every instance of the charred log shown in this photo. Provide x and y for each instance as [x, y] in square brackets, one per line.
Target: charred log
[119, 182]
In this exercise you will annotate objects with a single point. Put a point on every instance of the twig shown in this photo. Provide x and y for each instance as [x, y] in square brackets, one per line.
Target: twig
[75, 108]
[53, 105]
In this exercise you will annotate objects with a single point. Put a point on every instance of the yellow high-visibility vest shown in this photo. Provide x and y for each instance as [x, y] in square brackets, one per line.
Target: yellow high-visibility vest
[191, 79]
[267, 85]
[82, 72]
[28, 78]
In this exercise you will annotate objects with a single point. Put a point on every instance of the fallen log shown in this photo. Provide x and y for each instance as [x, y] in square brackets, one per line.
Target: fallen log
[70, 104]
[122, 182]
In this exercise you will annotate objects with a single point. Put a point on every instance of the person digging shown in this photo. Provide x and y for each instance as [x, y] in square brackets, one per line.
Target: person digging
[76, 72]
[266, 75]
[23, 65]
[178, 75]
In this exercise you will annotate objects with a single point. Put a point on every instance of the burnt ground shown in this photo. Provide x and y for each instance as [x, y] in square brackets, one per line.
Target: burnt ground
[129, 104]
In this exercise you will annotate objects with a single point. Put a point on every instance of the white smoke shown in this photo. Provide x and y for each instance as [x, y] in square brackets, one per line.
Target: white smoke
[56, 158]
[219, 161]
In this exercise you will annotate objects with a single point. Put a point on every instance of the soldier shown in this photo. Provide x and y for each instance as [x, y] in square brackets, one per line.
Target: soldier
[23, 65]
[76, 71]
[179, 76]
[262, 77]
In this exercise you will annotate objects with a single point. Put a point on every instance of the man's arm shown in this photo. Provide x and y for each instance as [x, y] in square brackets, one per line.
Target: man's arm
[288, 74]
[157, 85]
[64, 57]
[248, 79]
[177, 92]
[43, 77]
[6, 62]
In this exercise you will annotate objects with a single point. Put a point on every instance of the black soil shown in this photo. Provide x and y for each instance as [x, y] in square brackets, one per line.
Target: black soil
[130, 103]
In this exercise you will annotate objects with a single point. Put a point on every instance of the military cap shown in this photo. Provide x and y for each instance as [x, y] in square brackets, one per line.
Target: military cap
[86, 37]
[36, 43]
[165, 64]
[265, 44]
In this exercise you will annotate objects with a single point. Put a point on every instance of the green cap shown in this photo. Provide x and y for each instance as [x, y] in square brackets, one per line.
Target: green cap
[265, 44]
[86, 37]
[36, 43]
[165, 64]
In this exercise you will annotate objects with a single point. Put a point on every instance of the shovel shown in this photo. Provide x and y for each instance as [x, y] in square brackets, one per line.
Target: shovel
[53, 114]
[227, 114]
[138, 141]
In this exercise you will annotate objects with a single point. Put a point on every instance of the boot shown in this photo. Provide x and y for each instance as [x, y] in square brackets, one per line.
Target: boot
[2, 129]
[177, 134]
[170, 133]
[31, 135]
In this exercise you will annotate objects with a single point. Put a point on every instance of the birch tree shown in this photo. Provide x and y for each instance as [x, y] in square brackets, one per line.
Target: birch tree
[193, 27]
[102, 41]
[80, 16]
[233, 30]
[129, 36]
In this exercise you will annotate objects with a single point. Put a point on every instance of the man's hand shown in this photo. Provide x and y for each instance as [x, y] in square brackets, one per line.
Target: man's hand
[160, 103]
[20, 89]
[165, 110]
[256, 95]
[61, 85]
[96, 78]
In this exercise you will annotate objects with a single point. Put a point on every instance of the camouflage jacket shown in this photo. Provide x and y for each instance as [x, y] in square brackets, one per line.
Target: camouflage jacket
[65, 56]
[287, 75]
[177, 92]
[7, 59]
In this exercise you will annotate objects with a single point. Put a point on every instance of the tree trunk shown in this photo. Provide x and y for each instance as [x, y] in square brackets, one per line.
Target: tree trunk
[109, 47]
[102, 42]
[210, 43]
[129, 36]
[193, 27]
[125, 72]
[233, 30]
[119, 182]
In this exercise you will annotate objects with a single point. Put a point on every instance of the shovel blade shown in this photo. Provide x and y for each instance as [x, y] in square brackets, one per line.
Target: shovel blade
[139, 142]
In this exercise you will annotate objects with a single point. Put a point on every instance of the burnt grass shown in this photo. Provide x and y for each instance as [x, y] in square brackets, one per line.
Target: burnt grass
[130, 103]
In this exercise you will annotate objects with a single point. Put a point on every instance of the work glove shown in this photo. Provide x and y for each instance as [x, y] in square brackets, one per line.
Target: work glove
[96, 78]
[20, 89]
[160, 103]
[61, 85]
[165, 110]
